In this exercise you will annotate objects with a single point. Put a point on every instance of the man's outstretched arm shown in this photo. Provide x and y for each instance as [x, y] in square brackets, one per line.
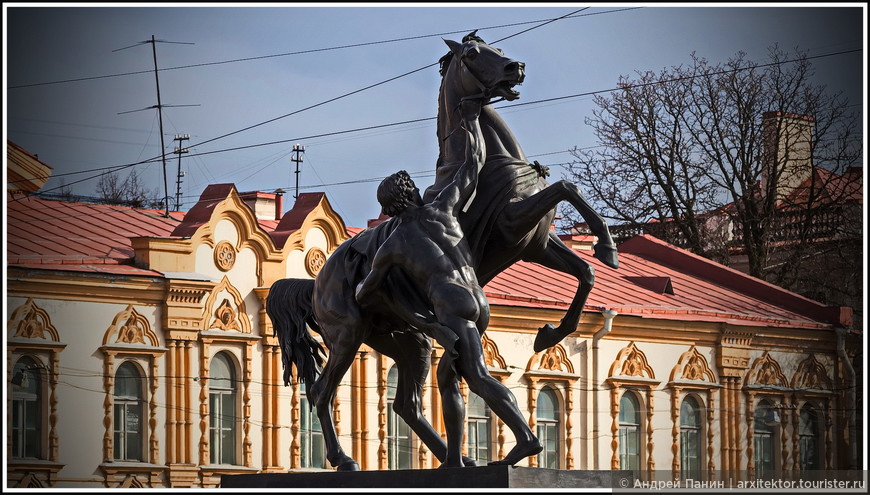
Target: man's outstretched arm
[461, 189]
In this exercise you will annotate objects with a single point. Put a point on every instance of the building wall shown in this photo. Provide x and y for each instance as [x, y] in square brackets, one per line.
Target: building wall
[82, 326]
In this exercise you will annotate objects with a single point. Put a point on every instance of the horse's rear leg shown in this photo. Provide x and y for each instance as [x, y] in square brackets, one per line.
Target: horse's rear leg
[560, 257]
[522, 216]
[323, 393]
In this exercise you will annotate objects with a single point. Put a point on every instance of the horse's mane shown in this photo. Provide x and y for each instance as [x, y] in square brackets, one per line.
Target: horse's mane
[446, 59]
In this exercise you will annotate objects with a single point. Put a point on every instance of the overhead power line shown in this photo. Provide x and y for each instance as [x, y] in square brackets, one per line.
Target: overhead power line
[303, 109]
[303, 52]
[112, 169]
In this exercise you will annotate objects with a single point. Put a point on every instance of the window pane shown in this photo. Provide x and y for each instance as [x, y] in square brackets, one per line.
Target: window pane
[31, 418]
[228, 446]
[228, 418]
[547, 404]
[318, 451]
[809, 444]
[628, 410]
[134, 447]
[31, 444]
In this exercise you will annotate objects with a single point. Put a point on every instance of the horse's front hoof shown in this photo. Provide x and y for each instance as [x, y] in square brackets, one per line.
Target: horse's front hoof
[606, 253]
[350, 465]
[468, 461]
[547, 337]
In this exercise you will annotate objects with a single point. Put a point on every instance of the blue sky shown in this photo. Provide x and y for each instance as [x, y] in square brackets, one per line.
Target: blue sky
[75, 126]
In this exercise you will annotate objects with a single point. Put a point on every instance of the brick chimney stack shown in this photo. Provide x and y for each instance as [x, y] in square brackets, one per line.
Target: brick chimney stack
[787, 154]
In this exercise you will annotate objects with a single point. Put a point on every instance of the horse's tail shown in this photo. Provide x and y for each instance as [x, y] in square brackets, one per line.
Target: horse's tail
[289, 307]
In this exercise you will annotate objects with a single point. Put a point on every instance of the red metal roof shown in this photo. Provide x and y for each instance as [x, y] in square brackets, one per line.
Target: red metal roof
[96, 238]
[80, 236]
[702, 289]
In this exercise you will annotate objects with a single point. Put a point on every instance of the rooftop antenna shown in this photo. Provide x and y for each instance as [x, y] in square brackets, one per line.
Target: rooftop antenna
[159, 108]
[296, 150]
[179, 151]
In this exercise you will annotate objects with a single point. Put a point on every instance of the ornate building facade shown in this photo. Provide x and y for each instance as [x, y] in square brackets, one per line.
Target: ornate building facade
[139, 354]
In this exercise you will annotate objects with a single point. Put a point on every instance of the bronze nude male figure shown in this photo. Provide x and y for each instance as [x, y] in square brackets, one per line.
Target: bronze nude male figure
[429, 247]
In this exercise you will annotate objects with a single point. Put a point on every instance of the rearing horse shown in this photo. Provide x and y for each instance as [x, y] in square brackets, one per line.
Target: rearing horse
[510, 217]
[508, 220]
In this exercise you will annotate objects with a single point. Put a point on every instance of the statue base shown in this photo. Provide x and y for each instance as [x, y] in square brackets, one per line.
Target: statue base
[467, 477]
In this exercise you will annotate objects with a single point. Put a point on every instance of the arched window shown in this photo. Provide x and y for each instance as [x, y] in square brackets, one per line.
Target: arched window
[26, 410]
[223, 420]
[548, 417]
[809, 439]
[763, 438]
[128, 424]
[399, 449]
[629, 432]
[312, 447]
[479, 429]
[690, 439]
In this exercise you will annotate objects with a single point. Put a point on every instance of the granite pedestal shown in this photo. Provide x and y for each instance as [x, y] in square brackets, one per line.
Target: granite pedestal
[467, 477]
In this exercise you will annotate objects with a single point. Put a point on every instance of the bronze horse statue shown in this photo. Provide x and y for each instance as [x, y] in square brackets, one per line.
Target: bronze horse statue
[508, 220]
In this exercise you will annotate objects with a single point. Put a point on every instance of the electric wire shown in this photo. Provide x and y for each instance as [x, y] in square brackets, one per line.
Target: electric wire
[302, 52]
[114, 168]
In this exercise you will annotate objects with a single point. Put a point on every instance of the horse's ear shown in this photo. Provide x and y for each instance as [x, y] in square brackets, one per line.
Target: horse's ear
[455, 47]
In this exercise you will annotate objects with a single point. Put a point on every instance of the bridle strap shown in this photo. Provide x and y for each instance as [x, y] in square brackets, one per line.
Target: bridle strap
[484, 91]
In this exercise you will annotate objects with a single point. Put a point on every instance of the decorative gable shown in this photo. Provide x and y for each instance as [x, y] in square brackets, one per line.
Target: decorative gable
[766, 371]
[311, 210]
[811, 375]
[218, 230]
[554, 359]
[631, 362]
[692, 366]
[130, 328]
[225, 309]
[491, 355]
[32, 322]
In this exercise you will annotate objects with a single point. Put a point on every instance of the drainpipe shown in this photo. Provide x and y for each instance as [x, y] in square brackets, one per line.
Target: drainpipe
[608, 315]
[849, 371]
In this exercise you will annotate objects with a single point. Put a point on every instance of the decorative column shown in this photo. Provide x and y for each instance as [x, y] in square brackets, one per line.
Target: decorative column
[569, 426]
[246, 406]
[750, 435]
[787, 411]
[358, 407]
[650, 458]
[711, 407]
[614, 427]
[153, 442]
[795, 439]
[675, 431]
[829, 436]
[187, 409]
[533, 420]
[382, 412]
[204, 453]
[54, 373]
[295, 428]
[271, 385]
[171, 403]
[733, 362]
[108, 384]
[463, 391]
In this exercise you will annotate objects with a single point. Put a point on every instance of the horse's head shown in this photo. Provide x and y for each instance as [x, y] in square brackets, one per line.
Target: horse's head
[483, 71]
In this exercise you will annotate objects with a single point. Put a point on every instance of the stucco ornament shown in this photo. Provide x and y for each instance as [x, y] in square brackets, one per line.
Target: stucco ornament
[224, 255]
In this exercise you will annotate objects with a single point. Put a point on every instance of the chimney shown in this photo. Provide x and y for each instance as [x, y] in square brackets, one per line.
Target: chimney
[279, 203]
[787, 153]
[266, 206]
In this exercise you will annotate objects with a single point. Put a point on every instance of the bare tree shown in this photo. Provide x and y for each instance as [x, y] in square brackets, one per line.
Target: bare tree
[129, 192]
[741, 162]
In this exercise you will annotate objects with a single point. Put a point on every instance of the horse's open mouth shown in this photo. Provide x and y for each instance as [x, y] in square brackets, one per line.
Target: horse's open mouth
[506, 90]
